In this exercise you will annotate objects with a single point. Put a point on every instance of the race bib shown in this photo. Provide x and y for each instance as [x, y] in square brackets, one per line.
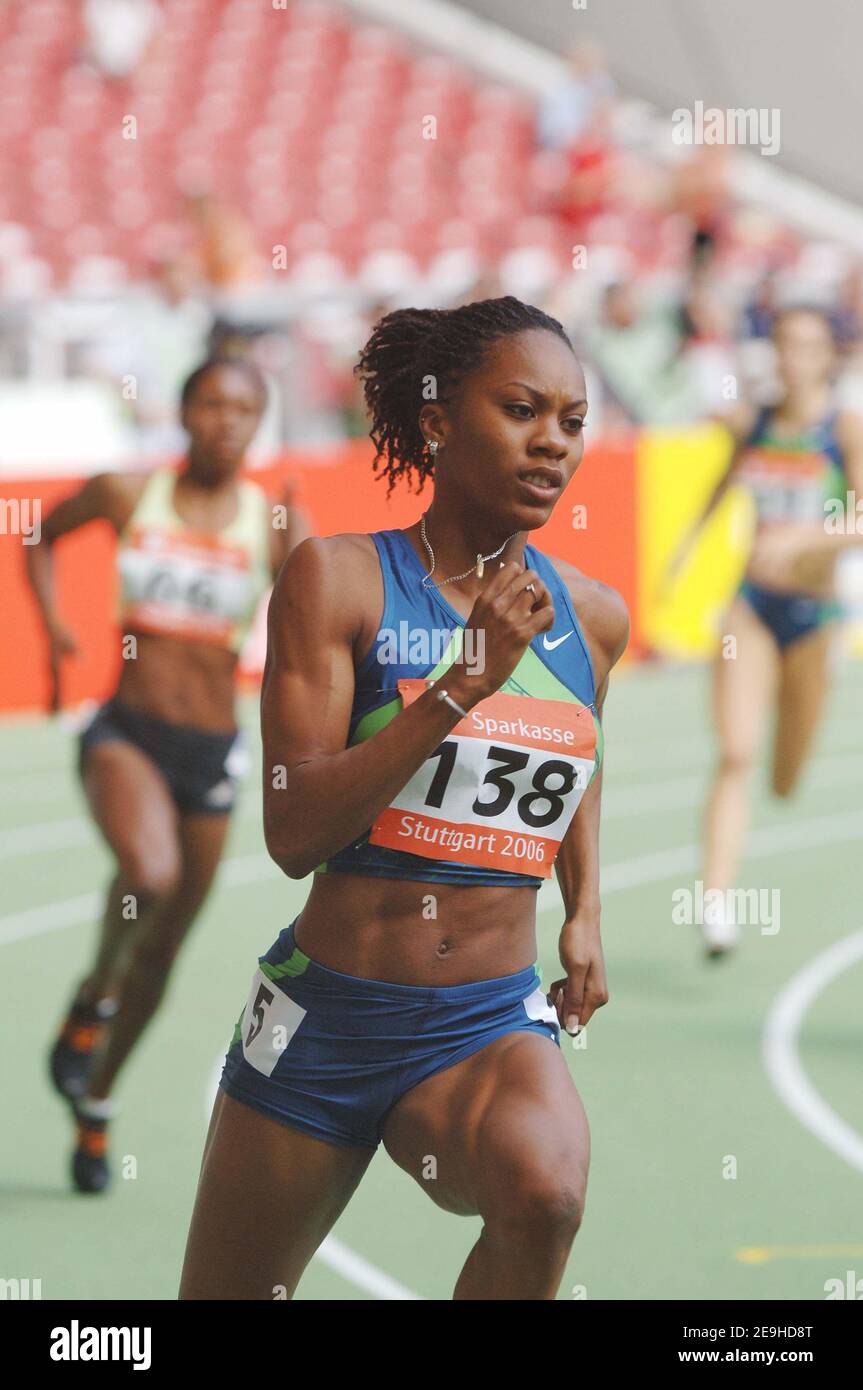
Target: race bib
[500, 790]
[268, 1022]
[785, 487]
[184, 585]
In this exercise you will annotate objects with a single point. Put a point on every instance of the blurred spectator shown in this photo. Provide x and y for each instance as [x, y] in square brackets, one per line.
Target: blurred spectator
[118, 33]
[848, 322]
[587, 184]
[586, 93]
[226, 244]
[170, 321]
[637, 353]
[757, 320]
[327, 398]
[707, 347]
[158, 337]
[849, 313]
[702, 193]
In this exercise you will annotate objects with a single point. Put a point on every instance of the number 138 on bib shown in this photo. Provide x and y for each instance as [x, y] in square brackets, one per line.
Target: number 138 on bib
[500, 791]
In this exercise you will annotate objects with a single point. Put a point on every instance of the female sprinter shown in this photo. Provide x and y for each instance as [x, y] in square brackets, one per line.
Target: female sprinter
[793, 458]
[196, 549]
[431, 792]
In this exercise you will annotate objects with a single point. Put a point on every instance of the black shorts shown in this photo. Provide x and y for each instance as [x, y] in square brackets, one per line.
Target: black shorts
[202, 769]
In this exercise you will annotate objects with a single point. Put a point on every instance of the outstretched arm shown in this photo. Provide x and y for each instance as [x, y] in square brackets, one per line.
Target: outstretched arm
[108, 497]
[739, 423]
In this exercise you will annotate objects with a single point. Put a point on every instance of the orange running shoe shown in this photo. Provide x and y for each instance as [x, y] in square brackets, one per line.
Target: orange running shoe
[90, 1172]
[74, 1052]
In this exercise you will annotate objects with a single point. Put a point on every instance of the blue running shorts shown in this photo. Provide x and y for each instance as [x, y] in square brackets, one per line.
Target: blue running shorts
[789, 616]
[331, 1054]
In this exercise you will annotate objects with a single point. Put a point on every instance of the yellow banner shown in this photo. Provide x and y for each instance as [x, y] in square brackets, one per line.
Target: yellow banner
[676, 473]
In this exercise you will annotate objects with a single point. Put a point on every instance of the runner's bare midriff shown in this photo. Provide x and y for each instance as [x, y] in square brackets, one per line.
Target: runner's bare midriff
[181, 682]
[382, 929]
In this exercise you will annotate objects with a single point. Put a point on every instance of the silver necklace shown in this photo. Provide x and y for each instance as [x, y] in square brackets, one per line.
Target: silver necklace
[479, 566]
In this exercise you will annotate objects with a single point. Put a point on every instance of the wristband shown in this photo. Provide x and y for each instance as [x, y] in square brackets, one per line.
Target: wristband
[442, 695]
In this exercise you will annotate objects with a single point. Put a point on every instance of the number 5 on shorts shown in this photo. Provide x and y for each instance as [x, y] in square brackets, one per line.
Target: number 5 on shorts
[270, 1020]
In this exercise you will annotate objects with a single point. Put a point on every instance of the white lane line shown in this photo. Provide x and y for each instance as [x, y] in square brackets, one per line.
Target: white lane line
[779, 1049]
[359, 1271]
[697, 750]
[633, 799]
[47, 835]
[683, 792]
[643, 750]
[770, 840]
[333, 1252]
[842, 729]
[236, 870]
[73, 832]
[65, 912]
[37, 786]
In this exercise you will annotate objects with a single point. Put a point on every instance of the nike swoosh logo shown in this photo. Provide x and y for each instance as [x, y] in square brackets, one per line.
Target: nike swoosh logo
[550, 646]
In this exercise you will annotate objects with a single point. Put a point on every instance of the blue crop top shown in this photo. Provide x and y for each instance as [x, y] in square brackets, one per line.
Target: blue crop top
[415, 641]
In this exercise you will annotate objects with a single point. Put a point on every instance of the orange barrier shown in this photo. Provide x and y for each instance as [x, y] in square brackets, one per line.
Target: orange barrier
[339, 492]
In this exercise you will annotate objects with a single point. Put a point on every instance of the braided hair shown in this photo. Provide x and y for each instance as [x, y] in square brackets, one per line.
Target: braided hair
[412, 350]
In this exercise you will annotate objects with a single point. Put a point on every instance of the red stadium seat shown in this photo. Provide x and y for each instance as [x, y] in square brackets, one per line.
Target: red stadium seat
[287, 111]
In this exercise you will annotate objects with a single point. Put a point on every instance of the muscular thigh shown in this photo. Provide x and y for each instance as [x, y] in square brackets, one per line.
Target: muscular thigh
[505, 1120]
[267, 1196]
[132, 805]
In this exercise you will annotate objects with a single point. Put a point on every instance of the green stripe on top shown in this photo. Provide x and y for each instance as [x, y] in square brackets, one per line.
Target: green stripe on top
[238, 1028]
[296, 963]
[800, 444]
[376, 719]
[531, 677]
[835, 483]
[452, 653]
